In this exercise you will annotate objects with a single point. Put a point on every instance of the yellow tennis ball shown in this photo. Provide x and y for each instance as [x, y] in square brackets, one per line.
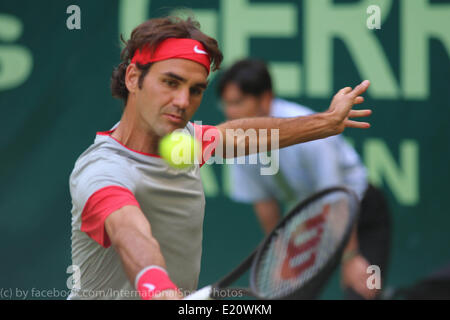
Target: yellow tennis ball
[179, 150]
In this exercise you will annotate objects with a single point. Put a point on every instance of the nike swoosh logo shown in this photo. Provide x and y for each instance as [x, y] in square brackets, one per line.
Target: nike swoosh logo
[197, 50]
[149, 286]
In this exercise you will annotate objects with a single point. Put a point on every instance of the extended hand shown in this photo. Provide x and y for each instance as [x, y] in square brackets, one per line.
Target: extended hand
[341, 107]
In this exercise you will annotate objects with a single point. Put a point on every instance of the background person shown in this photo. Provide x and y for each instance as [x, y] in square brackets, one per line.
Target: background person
[246, 92]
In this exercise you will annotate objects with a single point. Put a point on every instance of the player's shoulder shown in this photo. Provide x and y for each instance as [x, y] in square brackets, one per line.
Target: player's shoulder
[99, 157]
[283, 109]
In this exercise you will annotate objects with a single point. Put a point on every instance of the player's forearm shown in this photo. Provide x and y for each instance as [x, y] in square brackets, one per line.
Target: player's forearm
[131, 235]
[137, 251]
[144, 265]
[279, 133]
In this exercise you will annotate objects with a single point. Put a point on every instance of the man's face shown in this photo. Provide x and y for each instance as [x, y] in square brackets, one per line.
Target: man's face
[171, 93]
[239, 105]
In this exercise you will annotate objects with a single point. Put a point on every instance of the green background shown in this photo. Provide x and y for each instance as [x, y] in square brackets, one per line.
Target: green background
[54, 96]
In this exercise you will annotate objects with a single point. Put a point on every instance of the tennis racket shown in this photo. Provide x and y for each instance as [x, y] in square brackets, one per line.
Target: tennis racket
[297, 258]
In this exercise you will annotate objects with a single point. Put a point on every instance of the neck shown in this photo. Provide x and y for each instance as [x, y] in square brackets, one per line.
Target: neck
[134, 133]
[266, 101]
[266, 109]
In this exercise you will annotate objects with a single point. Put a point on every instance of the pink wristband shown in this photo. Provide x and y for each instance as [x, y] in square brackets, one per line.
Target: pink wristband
[153, 280]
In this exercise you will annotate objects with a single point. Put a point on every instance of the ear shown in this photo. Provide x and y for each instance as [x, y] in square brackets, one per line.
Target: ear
[132, 78]
[266, 102]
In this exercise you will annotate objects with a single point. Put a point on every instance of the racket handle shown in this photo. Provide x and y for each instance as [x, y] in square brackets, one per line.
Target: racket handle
[202, 294]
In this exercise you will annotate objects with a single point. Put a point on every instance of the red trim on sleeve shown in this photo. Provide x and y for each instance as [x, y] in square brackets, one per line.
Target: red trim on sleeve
[99, 206]
[108, 133]
[209, 137]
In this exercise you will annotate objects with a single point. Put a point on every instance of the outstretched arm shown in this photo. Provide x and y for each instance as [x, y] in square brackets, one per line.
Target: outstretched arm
[298, 129]
[131, 236]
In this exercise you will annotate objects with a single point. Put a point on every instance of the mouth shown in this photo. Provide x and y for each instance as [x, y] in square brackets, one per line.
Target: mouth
[174, 118]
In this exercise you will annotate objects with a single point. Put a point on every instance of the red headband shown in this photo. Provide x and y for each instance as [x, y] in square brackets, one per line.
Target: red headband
[174, 48]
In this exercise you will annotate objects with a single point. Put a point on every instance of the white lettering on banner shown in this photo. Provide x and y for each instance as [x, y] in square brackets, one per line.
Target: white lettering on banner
[16, 61]
[402, 179]
[326, 21]
[420, 21]
[131, 14]
[323, 21]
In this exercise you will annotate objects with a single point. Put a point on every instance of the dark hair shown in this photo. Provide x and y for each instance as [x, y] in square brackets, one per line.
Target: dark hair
[152, 33]
[250, 75]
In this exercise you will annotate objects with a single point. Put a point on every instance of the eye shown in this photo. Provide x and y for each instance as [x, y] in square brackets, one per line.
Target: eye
[170, 83]
[196, 91]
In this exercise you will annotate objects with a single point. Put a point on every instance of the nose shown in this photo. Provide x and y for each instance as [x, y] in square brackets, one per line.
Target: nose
[181, 99]
[228, 114]
[231, 113]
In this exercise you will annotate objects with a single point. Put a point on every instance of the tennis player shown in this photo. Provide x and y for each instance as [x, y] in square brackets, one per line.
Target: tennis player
[137, 223]
[246, 91]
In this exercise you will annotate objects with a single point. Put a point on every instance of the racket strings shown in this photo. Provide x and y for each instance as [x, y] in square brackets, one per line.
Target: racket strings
[300, 249]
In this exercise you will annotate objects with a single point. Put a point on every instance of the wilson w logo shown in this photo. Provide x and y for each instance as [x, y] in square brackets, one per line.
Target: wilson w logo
[308, 247]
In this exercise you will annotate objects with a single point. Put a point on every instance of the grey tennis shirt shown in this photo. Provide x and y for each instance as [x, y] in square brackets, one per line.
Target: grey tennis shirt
[108, 176]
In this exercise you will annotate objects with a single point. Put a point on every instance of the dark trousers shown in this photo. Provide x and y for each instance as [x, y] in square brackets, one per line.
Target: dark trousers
[374, 233]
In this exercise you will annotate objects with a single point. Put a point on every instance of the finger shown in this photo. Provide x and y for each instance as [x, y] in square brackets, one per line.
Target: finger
[345, 90]
[356, 124]
[358, 100]
[361, 88]
[359, 113]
